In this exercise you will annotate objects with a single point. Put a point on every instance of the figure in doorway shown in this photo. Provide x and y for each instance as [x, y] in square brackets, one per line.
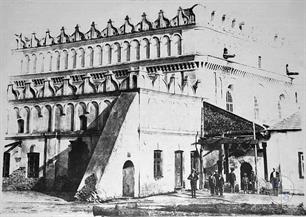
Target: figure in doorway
[212, 183]
[274, 179]
[232, 180]
[245, 182]
[193, 177]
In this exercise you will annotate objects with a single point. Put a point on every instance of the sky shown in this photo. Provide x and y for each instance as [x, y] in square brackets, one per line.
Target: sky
[285, 17]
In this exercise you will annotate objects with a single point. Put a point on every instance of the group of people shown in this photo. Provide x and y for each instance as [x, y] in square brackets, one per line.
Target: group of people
[216, 183]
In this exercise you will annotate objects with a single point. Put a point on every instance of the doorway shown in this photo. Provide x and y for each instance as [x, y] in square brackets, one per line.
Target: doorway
[179, 169]
[128, 180]
[245, 168]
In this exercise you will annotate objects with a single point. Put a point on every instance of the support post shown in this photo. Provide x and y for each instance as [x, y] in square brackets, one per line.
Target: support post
[264, 150]
[255, 155]
[201, 169]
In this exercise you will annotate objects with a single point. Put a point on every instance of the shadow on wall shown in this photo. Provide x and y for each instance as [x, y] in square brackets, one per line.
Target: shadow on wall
[63, 172]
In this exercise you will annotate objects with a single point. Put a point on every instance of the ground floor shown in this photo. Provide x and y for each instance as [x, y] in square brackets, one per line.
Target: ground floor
[34, 204]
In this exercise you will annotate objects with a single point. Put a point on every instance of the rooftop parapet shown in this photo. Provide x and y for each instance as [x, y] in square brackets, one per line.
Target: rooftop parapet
[197, 14]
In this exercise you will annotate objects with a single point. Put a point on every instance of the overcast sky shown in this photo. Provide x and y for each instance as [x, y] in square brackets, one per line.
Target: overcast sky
[285, 17]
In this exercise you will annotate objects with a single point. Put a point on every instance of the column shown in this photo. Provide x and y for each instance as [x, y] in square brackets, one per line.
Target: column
[264, 150]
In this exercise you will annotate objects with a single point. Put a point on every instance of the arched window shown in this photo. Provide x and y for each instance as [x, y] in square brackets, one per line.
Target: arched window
[108, 54]
[166, 46]
[58, 117]
[34, 63]
[155, 48]
[145, 53]
[21, 66]
[65, 60]
[20, 123]
[135, 54]
[27, 64]
[229, 101]
[126, 51]
[49, 62]
[82, 57]
[41, 62]
[90, 56]
[256, 109]
[98, 56]
[83, 122]
[117, 53]
[177, 45]
[73, 58]
[57, 60]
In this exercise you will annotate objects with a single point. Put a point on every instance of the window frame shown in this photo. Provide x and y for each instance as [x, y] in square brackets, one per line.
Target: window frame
[229, 103]
[157, 164]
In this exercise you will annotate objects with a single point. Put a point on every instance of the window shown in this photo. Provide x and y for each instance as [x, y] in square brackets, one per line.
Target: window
[301, 165]
[20, 123]
[83, 122]
[74, 57]
[6, 164]
[158, 164]
[229, 101]
[33, 165]
[82, 57]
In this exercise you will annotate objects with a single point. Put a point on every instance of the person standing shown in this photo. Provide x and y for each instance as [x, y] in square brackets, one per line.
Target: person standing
[232, 180]
[252, 182]
[217, 177]
[274, 179]
[212, 183]
[193, 177]
[220, 184]
[245, 183]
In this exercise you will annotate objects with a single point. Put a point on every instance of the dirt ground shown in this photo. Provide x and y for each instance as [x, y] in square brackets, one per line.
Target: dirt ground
[34, 204]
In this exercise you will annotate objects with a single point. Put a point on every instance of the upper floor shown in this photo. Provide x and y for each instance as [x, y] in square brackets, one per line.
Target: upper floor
[195, 30]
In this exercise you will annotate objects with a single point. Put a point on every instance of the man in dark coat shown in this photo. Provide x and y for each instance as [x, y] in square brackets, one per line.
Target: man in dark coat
[212, 184]
[274, 179]
[193, 177]
[217, 177]
[232, 180]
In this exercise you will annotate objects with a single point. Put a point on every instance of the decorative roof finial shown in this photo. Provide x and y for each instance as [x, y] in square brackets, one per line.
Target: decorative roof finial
[143, 15]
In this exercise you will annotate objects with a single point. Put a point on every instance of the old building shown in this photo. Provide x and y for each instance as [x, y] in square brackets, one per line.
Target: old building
[118, 110]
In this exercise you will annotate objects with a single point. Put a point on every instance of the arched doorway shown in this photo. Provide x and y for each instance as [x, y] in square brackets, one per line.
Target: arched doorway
[245, 168]
[128, 181]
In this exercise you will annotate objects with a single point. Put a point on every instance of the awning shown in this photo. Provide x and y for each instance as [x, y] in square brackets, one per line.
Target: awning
[219, 122]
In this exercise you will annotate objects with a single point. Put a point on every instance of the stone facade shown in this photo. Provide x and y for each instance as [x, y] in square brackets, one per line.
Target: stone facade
[123, 105]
